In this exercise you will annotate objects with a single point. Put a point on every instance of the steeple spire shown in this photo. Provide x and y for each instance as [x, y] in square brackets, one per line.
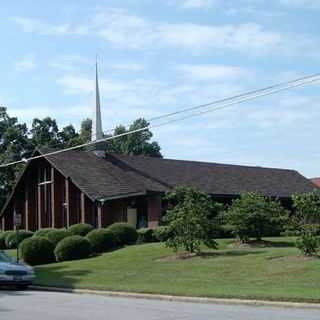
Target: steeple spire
[97, 132]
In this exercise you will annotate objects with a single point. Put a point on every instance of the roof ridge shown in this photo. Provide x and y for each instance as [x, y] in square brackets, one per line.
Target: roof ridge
[204, 162]
[143, 174]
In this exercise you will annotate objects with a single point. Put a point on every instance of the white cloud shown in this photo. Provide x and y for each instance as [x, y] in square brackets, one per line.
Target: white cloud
[74, 84]
[27, 63]
[124, 30]
[70, 62]
[212, 72]
[37, 26]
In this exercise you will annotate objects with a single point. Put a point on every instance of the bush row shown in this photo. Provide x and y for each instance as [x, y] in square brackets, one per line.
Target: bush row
[79, 241]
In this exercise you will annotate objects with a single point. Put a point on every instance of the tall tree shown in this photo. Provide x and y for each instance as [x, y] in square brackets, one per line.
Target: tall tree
[85, 130]
[45, 132]
[253, 215]
[68, 136]
[138, 143]
[14, 145]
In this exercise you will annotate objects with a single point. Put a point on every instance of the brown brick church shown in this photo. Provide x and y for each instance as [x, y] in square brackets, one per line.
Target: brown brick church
[97, 188]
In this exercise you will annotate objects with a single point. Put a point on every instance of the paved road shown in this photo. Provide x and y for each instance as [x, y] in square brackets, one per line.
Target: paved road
[32, 305]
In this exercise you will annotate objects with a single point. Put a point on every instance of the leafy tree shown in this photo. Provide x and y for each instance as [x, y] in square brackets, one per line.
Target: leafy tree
[306, 220]
[14, 145]
[45, 132]
[190, 219]
[254, 215]
[138, 143]
[17, 142]
[85, 130]
[307, 207]
[68, 135]
[308, 242]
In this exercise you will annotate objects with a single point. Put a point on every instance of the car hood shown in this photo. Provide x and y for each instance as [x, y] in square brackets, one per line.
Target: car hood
[4, 266]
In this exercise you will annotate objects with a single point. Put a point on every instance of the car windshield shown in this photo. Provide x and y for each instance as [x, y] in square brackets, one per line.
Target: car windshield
[4, 257]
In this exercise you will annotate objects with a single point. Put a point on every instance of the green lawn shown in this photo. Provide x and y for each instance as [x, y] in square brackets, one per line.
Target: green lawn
[275, 273]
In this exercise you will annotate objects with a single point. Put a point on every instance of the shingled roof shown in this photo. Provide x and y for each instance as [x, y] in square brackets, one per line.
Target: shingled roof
[120, 176]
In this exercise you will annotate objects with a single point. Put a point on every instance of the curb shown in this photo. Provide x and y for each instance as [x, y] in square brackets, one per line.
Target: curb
[147, 296]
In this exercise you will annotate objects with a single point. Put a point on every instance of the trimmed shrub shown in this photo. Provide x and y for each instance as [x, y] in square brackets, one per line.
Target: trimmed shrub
[145, 235]
[102, 240]
[161, 233]
[124, 233]
[42, 232]
[308, 242]
[80, 229]
[55, 236]
[73, 248]
[12, 241]
[3, 239]
[37, 250]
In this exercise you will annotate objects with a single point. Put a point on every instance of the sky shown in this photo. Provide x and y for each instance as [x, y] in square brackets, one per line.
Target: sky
[159, 56]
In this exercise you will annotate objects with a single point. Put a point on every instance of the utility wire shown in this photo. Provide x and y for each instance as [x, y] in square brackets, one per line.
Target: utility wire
[245, 97]
[110, 131]
[200, 106]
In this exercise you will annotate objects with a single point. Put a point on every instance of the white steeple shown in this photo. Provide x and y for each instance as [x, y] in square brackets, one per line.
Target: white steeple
[97, 132]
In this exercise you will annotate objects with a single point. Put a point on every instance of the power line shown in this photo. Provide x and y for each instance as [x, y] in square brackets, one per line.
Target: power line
[243, 97]
[200, 106]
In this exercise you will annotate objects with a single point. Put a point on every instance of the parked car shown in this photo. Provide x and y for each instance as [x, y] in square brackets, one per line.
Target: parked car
[14, 273]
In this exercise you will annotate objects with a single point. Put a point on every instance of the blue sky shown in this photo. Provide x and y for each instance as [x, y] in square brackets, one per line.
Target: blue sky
[161, 56]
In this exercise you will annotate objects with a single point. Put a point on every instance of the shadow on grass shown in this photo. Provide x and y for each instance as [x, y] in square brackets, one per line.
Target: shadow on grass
[229, 253]
[58, 276]
[279, 244]
[263, 244]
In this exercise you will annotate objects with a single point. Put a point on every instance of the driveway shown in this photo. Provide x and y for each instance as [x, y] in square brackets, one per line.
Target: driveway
[34, 305]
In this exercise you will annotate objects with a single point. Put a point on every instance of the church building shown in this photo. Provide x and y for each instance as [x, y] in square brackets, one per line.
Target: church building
[93, 187]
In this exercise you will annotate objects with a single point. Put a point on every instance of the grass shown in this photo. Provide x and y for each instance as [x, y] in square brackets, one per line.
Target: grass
[275, 272]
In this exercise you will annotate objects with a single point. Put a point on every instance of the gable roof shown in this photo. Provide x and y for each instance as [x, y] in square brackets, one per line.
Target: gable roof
[119, 175]
[100, 178]
[219, 179]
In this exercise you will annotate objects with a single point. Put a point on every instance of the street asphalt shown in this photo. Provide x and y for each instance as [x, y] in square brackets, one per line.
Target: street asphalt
[36, 305]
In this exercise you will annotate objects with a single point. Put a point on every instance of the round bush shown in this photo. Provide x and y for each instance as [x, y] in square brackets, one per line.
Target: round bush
[124, 233]
[161, 233]
[55, 236]
[80, 229]
[42, 232]
[102, 240]
[72, 248]
[12, 241]
[37, 250]
[3, 239]
[145, 235]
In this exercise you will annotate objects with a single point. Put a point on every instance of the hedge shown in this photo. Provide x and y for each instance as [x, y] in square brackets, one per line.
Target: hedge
[124, 233]
[145, 235]
[161, 233]
[55, 236]
[3, 239]
[37, 250]
[12, 241]
[73, 248]
[80, 229]
[102, 240]
[42, 232]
